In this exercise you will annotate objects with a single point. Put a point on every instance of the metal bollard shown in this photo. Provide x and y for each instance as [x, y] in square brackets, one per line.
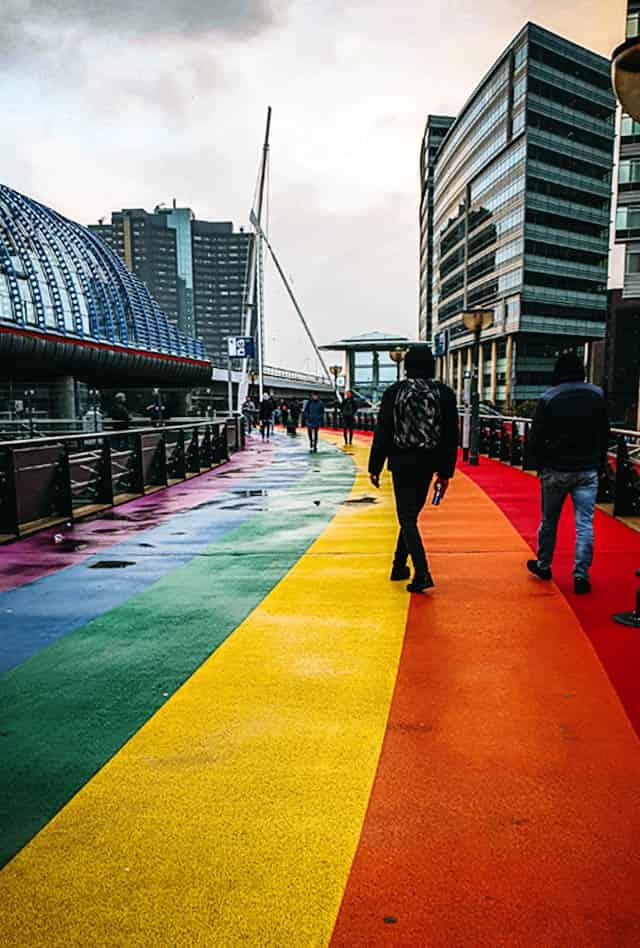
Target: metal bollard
[630, 619]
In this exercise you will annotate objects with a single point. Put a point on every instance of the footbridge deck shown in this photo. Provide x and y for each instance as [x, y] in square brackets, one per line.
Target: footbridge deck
[221, 724]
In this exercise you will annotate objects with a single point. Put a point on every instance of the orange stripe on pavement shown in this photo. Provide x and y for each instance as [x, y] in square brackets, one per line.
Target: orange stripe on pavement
[506, 806]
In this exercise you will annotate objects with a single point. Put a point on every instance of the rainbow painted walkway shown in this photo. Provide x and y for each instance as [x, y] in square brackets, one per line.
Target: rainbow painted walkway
[249, 736]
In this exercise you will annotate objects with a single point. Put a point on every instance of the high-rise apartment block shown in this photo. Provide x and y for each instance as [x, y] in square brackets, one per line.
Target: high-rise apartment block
[196, 270]
[437, 128]
[519, 224]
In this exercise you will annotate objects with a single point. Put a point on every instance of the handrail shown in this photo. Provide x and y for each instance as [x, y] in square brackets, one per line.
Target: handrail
[94, 435]
[295, 376]
[59, 479]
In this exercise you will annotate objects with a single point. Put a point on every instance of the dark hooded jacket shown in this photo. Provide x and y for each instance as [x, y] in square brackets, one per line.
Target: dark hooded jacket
[570, 430]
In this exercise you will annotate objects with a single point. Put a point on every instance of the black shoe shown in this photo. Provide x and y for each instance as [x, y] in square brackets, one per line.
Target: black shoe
[581, 585]
[420, 583]
[541, 572]
[399, 572]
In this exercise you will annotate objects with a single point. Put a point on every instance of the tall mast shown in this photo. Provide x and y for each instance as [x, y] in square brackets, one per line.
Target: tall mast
[253, 291]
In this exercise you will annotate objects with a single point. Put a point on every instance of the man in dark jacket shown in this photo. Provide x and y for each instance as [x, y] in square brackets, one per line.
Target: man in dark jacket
[348, 408]
[120, 413]
[313, 416]
[265, 416]
[417, 433]
[569, 440]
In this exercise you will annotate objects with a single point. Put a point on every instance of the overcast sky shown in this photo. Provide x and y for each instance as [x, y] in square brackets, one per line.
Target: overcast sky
[120, 104]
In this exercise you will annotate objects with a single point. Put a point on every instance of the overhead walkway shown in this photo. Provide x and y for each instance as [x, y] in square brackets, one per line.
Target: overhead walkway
[249, 736]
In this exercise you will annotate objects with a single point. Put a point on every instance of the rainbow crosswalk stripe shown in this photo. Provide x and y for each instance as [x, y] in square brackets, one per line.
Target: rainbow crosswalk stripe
[336, 763]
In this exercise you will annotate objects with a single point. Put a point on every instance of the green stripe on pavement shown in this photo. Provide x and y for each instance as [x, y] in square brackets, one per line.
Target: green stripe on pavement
[67, 710]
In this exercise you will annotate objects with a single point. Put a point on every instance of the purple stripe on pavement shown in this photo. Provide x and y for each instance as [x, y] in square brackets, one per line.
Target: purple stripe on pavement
[39, 555]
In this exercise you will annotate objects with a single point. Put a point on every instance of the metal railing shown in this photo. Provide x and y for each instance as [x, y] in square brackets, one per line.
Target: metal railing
[52, 480]
[294, 376]
[507, 438]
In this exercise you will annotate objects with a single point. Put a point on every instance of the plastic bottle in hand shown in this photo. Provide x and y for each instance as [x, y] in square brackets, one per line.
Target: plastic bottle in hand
[437, 494]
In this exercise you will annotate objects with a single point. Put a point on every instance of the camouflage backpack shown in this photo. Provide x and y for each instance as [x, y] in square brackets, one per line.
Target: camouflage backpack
[417, 419]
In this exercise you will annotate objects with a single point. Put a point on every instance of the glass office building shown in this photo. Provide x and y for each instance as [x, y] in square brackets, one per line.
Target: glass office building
[437, 127]
[520, 223]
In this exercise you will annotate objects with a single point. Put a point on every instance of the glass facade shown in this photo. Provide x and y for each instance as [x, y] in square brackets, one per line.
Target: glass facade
[628, 203]
[179, 219]
[371, 372]
[58, 277]
[521, 205]
[437, 127]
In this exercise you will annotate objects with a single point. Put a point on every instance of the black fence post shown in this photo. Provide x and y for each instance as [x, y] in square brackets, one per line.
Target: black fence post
[505, 442]
[627, 487]
[206, 449]
[136, 462]
[63, 489]
[516, 444]
[606, 486]
[494, 439]
[105, 485]
[192, 459]
[8, 495]
[528, 462]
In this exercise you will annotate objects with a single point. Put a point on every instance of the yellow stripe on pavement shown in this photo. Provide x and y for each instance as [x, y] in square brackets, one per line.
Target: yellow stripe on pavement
[232, 816]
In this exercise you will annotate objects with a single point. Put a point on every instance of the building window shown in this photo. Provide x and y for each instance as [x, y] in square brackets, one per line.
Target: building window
[629, 171]
[627, 218]
[632, 261]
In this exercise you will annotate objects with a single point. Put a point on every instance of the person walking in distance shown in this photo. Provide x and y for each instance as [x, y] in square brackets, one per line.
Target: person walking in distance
[265, 416]
[313, 416]
[349, 408]
[248, 413]
[120, 413]
[417, 434]
[569, 441]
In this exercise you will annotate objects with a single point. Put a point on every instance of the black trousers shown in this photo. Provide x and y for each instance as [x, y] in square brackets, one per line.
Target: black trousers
[313, 437]
[411, 496]
[348, 431]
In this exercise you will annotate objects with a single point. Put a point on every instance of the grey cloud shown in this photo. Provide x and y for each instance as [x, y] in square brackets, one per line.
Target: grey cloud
[29, 27]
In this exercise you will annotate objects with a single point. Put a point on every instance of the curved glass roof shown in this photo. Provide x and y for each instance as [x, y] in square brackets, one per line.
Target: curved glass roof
[57, 277]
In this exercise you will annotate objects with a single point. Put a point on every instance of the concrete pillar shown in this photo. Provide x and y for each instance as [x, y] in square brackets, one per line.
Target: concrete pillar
[481, 371]
[438, 373]
[508, 386]
[64, 397]
[459, 379]
[450, 379]
[494, 370]
[470, 358]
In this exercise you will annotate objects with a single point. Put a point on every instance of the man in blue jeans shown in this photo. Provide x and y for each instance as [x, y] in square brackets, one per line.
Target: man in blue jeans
[569, 440]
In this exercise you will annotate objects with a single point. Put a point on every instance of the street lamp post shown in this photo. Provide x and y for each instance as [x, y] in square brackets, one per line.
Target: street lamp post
[94, 395]
[29, 397]
[625, 75]
[475, 321]
[335, 371]
[397, 356]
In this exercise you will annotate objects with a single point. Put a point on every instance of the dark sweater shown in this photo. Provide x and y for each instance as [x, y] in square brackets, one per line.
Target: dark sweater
[416, 462]
[570, 430]
[348, 408]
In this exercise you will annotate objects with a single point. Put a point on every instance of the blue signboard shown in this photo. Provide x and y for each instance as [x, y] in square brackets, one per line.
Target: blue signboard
[441, 343]
[241, 347]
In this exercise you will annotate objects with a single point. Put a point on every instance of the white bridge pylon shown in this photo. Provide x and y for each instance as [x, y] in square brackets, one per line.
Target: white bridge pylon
[255, 294]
